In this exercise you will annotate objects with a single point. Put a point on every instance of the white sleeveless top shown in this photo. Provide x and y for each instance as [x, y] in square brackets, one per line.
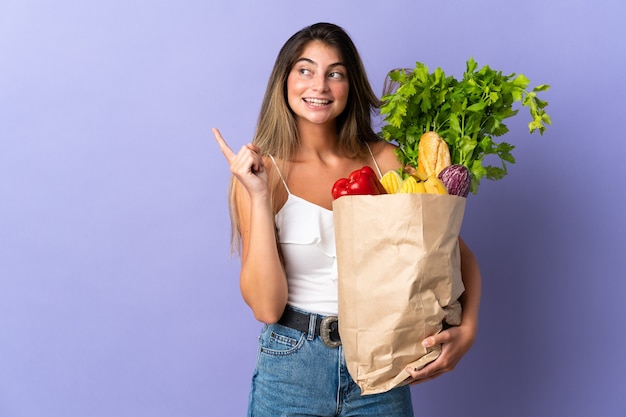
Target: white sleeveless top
[306, 236]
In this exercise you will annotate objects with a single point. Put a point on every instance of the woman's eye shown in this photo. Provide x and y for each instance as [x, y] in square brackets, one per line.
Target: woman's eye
[304, 71]
[336, 75]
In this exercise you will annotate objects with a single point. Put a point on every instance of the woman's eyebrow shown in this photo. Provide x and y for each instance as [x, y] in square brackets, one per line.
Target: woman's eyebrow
[310, 61]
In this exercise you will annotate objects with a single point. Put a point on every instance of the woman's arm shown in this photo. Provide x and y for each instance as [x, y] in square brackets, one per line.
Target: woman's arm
[456, 341]
[262, 279]
[472, 280]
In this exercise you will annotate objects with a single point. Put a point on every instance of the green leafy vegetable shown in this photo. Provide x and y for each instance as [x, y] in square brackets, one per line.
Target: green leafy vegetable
[468, 114]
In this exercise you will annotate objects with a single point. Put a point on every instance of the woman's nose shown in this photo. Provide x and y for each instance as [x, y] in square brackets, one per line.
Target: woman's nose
[320, 82]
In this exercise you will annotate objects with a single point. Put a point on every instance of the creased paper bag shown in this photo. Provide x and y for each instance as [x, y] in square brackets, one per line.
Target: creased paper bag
[399, 279]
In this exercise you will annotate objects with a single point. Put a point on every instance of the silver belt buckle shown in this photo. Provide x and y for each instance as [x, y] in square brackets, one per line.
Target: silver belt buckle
[325, 332]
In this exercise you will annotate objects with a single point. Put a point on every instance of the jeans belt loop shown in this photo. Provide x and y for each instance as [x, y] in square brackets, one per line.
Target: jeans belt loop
[312, 324]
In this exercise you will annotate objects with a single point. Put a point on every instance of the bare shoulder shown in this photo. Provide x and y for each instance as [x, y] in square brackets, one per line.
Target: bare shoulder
[385, 154]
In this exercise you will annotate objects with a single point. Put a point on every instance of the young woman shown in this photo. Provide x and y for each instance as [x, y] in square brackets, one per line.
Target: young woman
[314, 128]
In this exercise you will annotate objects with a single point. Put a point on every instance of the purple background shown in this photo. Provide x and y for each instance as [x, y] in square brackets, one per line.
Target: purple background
[118, 294]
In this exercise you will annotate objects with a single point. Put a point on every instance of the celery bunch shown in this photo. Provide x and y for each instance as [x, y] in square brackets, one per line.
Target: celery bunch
[468, 113]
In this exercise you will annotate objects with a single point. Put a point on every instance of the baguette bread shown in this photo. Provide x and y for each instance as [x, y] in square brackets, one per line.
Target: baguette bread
[433, 154]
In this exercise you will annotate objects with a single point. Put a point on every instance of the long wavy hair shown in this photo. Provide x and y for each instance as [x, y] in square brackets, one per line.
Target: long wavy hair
[276, 131]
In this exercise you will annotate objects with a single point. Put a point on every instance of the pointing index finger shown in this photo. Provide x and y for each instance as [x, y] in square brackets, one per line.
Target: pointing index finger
[226, 150]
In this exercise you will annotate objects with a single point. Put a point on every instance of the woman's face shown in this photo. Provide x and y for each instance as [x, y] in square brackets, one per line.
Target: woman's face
[317, 86]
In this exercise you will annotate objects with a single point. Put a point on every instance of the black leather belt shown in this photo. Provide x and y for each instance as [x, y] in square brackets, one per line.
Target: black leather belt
[326, 327]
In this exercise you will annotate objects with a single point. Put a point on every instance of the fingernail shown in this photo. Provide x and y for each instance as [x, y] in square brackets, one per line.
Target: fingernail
[426, 343]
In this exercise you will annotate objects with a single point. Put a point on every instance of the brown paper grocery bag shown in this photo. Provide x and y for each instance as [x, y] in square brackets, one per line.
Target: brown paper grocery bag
[399, 279]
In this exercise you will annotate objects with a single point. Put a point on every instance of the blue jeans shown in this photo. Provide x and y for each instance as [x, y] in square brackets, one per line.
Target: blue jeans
[297, 375]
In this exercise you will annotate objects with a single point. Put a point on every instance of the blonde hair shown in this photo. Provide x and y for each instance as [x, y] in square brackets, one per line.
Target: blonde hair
[276, 132]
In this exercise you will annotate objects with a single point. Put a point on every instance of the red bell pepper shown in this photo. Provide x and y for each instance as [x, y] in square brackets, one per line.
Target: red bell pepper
[360, 182]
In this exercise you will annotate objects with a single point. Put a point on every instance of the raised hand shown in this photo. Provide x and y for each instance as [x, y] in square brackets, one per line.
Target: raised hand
[246, 165]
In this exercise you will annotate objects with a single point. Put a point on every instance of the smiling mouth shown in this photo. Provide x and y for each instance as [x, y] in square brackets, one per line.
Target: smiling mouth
[317, 101]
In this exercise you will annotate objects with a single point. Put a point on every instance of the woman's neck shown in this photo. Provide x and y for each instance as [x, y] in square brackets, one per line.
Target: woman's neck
[317, 140]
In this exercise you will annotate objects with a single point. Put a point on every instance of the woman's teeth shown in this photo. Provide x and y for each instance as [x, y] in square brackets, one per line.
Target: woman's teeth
[316, 101]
